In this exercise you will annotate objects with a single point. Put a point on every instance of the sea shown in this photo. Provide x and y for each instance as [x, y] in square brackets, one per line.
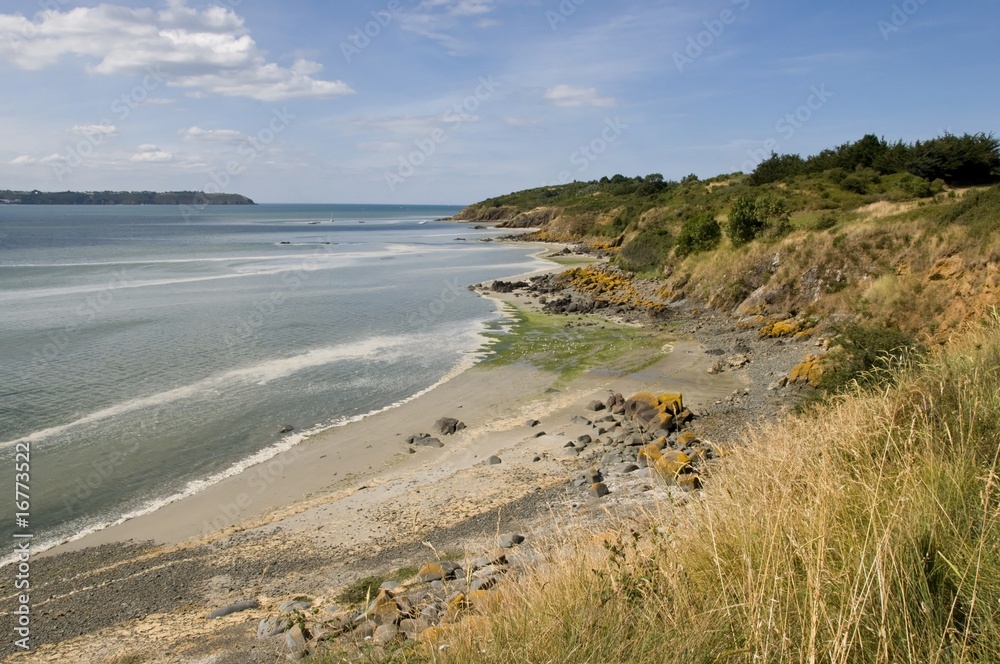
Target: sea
[147, 353]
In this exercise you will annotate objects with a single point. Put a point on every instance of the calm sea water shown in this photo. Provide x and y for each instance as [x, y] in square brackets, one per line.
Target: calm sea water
[147, 352]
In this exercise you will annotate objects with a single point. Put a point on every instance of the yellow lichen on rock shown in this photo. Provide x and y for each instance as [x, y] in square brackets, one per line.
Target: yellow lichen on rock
[651, 453]
[791, 327]
[808, 372]
[671, 464]
[673, 402]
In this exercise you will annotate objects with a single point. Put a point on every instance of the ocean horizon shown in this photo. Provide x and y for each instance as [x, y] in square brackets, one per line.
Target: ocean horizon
[150, 352]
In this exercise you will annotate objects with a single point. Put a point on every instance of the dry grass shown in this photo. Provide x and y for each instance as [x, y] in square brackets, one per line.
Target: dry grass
[867, 530]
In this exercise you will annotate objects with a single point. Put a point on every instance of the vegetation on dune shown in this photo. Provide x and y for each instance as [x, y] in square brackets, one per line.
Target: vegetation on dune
[865, 530]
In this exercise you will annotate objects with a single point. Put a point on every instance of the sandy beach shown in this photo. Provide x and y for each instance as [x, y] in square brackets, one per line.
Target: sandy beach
[345, 503]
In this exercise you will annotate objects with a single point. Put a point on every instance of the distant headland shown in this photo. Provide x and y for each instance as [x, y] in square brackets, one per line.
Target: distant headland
[36, 197]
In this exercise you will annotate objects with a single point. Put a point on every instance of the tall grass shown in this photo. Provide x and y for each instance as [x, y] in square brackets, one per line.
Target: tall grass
[866, 530]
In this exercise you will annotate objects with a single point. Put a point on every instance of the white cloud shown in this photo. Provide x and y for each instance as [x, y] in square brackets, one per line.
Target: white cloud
[207, 51]
[52, 158]
[151, 154]
[436, 19]
[197, 134]
[570, 96]
[99, 130]
[23, 160]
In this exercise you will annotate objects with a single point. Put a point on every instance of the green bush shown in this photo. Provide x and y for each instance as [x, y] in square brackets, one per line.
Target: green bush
[751, 218]
[647, 251]
[867, 353]
[861, 180]
[700, 232]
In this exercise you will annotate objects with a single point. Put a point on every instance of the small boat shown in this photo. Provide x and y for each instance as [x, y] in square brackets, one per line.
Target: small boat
[314, 223]
[421, 223]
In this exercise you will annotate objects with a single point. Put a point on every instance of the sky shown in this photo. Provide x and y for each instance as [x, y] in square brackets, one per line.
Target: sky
[454, 101]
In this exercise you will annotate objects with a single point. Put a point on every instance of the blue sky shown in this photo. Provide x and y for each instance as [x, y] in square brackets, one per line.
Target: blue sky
[452, 101]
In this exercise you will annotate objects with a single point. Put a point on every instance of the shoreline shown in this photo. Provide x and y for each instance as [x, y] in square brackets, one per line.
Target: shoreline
[234, 510]
[353, 501]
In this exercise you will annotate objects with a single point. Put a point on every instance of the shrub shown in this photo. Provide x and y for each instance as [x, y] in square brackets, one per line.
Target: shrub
[647, 251]
[861, 180]
[700, 232]
[867, 353]
[750, 218]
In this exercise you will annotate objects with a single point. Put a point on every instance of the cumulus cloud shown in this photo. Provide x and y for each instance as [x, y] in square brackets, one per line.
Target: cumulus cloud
[23, 160]
[570, 96]
[207, 51]
[151, 154]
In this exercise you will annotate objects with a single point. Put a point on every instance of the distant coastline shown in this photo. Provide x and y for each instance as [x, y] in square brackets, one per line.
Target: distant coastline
[8, 197]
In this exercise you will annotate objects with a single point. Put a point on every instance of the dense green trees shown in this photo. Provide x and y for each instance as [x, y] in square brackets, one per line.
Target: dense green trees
[967, 160]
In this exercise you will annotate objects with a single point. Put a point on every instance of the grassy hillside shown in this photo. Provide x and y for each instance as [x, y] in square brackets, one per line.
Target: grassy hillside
[867, 530]
[858, 232]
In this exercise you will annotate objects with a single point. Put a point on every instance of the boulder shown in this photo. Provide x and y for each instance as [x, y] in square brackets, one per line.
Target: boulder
[447, 426]
[296, 642]
[286, 428]
[599, 490]
[385, 634]
[272, 626]
[509, 540]
[595, 405]
[672, 464]
[427, 442]
[531, 424]
[494, 461]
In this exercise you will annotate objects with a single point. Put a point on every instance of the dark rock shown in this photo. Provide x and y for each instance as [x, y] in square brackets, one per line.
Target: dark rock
[286, 428]
[447, 426]
[494, 461]
[532, 424]
[233, 608]
[595, 405]
[428, 442]
[585, 440]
